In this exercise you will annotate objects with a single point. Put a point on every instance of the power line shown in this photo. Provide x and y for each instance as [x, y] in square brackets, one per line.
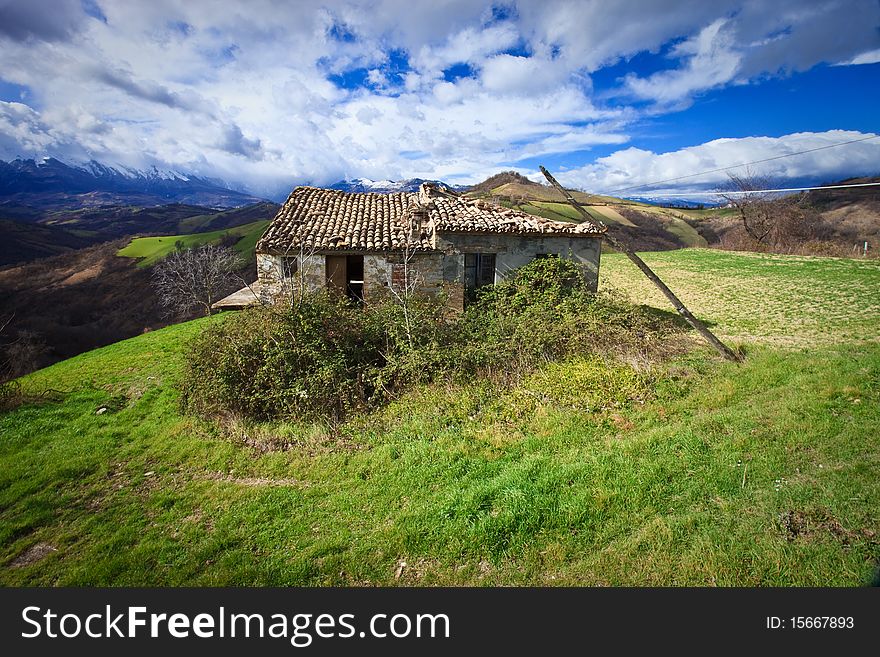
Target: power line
[766, 191]
[744, 164]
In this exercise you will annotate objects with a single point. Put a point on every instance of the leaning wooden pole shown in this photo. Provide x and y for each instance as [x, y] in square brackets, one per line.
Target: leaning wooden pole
[699, 327]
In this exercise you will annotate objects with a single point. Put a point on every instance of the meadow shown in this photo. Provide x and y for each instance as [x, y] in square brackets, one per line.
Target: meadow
[150, 250]
[689, 471]
[794, 301]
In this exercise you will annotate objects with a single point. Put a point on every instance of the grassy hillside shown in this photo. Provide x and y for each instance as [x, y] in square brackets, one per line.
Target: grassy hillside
[761, 474]
[152, 249]
[642, 226]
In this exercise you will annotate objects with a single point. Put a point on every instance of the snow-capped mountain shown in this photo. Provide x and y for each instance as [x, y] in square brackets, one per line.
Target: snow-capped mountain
[382, 186]
[49, 182]
[697, 201]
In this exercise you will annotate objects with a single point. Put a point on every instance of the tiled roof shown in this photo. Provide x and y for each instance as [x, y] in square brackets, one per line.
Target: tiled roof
[328, 219]
[332, 220]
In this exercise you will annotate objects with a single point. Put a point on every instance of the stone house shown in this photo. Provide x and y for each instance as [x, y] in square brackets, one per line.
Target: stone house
[363, 244]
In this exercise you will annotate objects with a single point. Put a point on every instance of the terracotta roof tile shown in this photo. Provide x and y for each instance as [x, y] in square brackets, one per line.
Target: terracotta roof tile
[332, 220]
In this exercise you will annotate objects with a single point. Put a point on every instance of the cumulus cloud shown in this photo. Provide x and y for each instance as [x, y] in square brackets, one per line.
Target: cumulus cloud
[631, 169]
[269, 93]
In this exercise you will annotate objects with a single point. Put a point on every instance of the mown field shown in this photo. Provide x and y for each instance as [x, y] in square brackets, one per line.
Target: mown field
[766, 473]
[793, 301]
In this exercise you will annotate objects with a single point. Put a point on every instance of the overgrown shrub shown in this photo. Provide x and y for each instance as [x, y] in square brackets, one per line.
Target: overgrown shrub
[546, 311]
[312, 360]
[324, 358]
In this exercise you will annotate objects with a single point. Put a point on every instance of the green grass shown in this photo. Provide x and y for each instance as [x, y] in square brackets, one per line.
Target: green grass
[585, 473]
[152, 249]
[766, 298]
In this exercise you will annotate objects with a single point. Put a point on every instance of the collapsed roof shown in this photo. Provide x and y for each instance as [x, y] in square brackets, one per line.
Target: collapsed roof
[331, 220]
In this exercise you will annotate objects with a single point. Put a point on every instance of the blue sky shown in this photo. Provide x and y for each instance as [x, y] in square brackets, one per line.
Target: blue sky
[607, 94]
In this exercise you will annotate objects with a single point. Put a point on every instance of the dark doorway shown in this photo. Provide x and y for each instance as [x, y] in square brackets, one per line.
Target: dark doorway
[345, 275]
[354, 288]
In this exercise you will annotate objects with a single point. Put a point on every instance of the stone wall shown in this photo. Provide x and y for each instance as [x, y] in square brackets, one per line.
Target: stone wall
[438, 271]
[310, 270]
[387, 269]
[514, 251]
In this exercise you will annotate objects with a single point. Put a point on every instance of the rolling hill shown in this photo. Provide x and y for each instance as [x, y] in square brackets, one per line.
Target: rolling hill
[849, 217]
[20, 242]
[89, 297]
[150, 250]
[643, 226]
[53, 232]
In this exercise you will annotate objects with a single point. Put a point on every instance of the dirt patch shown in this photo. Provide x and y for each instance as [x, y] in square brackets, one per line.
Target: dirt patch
[83, 275]
[261, 442]
[33, 554]
[817, 524]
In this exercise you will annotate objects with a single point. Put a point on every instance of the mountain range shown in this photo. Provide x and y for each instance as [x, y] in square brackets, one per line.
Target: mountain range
[52, 184]
[386, 186]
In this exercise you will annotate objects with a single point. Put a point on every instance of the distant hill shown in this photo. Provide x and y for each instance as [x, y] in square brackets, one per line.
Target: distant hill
[851, 216]
[643, 226]
[500, 179]
[26, 236]
[150, 250]
[20, 242]
[90, 297]
[52, 184]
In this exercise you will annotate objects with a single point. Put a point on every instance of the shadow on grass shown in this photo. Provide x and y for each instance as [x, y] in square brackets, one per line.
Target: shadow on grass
[674, 317]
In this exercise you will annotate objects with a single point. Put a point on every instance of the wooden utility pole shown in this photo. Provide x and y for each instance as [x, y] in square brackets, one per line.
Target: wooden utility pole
[699, 327]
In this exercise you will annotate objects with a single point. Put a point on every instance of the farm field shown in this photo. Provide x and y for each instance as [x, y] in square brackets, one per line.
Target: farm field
[765, 473]
[152, 249]
[791, 301]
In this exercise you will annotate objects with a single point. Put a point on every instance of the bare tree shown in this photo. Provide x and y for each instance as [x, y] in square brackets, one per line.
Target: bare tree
[195, 278]
[405, 279]
[779, 222]
[755, 208]
[20, 354]
[292, 270]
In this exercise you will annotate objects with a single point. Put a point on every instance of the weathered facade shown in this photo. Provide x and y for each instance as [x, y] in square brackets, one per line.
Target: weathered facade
[364, 245]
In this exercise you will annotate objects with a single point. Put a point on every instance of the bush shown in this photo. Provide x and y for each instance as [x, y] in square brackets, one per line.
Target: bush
[312, 360]
[323, 359]
[545, 312]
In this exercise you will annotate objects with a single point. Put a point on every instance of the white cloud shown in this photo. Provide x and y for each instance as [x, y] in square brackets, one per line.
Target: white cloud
[242, 91]
[524, 75]
[710, 62]
[870, 57]
[633, 167]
